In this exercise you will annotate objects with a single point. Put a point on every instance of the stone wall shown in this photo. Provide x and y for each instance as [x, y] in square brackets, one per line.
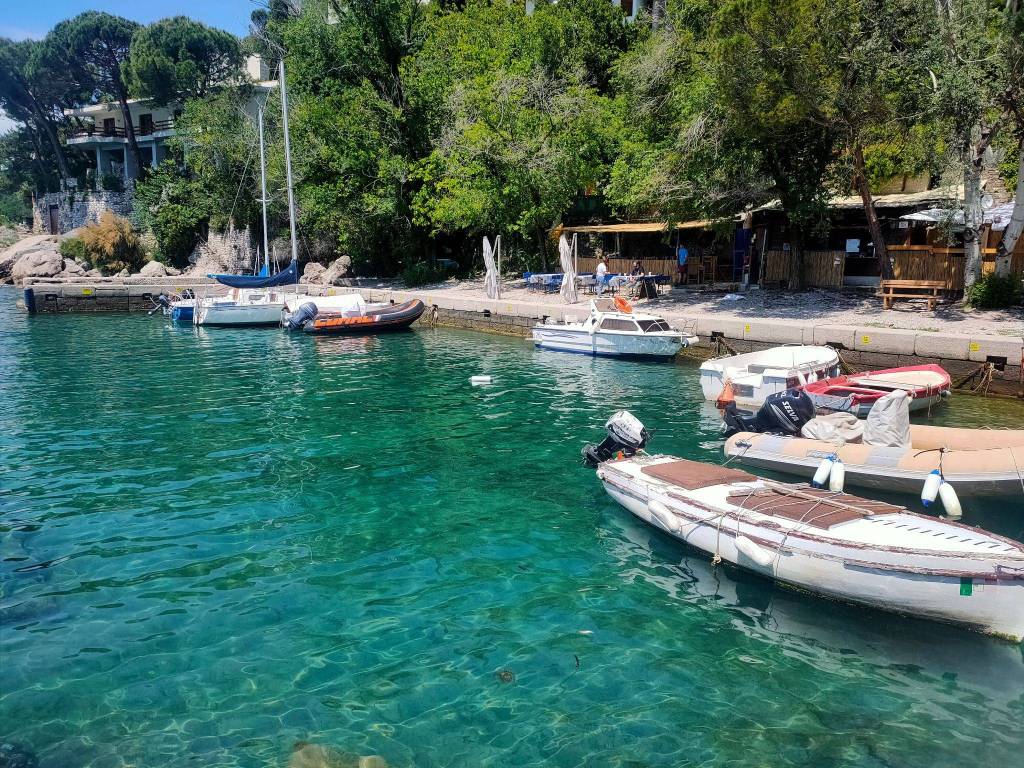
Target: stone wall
[79, 208]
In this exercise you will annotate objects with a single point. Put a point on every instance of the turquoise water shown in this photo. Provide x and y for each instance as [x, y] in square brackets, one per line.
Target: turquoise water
[217, 544]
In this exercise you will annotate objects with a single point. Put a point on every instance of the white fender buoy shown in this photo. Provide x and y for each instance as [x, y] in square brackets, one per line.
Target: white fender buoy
[837, 478]
[931, 487]
[479, 380]
[950, 501]
[663, 515]
[755, 552]
[824, 470]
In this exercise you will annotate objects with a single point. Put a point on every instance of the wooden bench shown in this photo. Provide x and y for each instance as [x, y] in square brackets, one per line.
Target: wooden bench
[910, 289]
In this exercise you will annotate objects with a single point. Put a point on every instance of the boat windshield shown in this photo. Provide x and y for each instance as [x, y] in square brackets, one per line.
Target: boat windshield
[653, 326]
[615, 324]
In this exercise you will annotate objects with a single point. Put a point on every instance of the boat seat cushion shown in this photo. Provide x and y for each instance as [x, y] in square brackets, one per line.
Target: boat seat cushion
[691, 475]
[815, 507]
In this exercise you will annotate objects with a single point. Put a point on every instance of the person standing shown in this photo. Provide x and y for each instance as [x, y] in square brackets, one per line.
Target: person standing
[601, 275]
[681, 257]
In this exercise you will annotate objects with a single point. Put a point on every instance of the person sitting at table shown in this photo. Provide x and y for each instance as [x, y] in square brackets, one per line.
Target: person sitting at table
[637, 270]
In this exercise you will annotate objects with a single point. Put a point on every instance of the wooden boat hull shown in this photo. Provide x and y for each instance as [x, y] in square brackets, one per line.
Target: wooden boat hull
[976, 462]
[396, 318]
[857, 393]
[977, 590]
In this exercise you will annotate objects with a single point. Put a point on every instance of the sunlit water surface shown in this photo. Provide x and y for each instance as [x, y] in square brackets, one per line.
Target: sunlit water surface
[217, 544]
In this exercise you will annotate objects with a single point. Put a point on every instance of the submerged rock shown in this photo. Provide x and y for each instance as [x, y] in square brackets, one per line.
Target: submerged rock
[16, 756]
[306, 755]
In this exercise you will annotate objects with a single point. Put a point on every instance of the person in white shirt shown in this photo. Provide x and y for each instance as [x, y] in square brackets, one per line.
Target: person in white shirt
[601, 275]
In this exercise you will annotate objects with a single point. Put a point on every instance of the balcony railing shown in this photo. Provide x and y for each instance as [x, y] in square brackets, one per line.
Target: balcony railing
[118, 132]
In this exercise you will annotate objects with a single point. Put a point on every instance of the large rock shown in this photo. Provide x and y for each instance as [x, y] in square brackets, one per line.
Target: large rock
[11, 255]
[313, 273]
[306, 755]
[153, 269]
[44, 261]
[73, 268]
[337, 271]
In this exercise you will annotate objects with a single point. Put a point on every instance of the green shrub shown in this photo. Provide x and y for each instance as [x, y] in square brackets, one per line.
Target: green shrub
[422, 273]
[177, 229]
[995, 292]
[74, 248]
[112, 244]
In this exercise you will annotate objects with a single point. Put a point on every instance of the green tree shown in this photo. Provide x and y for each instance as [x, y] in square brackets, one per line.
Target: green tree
[94, 48]
[177, 59]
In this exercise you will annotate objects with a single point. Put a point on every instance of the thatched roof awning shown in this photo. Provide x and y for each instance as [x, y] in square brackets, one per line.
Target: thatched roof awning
[635, 227]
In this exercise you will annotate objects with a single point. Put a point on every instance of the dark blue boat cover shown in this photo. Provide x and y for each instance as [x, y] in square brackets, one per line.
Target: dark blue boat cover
[284, 277]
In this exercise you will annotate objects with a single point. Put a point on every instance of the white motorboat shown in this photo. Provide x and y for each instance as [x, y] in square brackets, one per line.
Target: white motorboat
[622, 332]
[755, 375]
[241, 307]
[828, 543]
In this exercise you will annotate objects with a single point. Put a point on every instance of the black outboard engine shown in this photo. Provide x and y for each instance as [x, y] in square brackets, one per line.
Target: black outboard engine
[625, 433]
[298, 319]
[160, 303]
[783, 413]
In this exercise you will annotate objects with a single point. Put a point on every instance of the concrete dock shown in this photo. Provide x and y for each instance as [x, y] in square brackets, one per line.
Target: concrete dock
[984, 362]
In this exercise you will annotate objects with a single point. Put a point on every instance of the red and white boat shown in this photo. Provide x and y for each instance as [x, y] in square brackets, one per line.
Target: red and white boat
[856, 393]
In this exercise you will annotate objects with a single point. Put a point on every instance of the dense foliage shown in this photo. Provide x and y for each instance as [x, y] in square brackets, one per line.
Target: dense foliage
[112, 244]
[418, 127]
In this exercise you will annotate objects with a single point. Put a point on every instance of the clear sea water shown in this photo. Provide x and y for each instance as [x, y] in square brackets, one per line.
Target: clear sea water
[217, 544]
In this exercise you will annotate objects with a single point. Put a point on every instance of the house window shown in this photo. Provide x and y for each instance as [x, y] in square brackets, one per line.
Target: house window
[146, 124]
[109, 128]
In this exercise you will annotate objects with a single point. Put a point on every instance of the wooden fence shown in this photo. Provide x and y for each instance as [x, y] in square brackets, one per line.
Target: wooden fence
[926, 262]
[624, 266]
[822, 269]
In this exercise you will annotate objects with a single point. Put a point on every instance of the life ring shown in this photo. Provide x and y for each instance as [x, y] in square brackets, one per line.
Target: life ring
[622, 305]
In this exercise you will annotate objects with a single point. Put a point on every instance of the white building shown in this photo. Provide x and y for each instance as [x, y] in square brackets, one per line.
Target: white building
[104, 135]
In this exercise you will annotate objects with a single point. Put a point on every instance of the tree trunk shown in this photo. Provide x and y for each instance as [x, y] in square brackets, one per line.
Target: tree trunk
[972, 204]
[133, 157]
[1013, 230]
[874, 226]
[51, 135]
[542, 247]
[658, 13]
[796, 244]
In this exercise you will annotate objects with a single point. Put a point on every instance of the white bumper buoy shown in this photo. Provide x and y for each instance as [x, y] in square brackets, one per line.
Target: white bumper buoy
[931, 487]
[950, 501]
[837, 478]
[477, 380]
[755, 552]
[663, 516]
[824, 470]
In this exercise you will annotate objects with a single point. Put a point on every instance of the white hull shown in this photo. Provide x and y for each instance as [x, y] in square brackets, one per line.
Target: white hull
[980, 587]
[239, 314]
[606, 344]
[756, 375]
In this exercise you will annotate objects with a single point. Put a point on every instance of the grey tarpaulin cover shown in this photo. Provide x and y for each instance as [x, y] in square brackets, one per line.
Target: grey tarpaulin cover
[834, 428]
[888, 421]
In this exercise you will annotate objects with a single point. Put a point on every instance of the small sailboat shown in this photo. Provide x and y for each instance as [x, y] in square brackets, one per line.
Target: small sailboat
[828, 543]
[857, 393]
[621, 332]
[250, 302]
[751, 377]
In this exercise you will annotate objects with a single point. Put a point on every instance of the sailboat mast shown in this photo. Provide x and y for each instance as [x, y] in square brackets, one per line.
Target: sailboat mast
[288, 164]
[263, 194]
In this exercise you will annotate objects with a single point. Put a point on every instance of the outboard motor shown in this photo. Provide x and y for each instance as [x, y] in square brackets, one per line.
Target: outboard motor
[783, 413]
[298, 319]
[625, 433]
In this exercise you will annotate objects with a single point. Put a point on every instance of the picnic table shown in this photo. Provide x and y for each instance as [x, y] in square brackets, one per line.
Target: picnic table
[891, 290]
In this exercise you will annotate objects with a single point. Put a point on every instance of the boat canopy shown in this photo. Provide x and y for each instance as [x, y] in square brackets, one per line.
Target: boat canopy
[284, 277]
